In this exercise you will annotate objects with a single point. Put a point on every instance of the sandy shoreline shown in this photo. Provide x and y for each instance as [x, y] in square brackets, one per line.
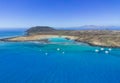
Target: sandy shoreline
[36, 38]
[45, 37]
[106, 38]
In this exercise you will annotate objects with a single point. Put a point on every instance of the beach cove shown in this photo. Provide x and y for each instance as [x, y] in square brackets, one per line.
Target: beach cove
[104, 38]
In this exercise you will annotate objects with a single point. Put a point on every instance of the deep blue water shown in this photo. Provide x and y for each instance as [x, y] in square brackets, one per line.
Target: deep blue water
[30, 62]
[4, 33]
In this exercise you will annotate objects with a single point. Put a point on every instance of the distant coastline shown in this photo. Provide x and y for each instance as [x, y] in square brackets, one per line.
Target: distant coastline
[105, 38]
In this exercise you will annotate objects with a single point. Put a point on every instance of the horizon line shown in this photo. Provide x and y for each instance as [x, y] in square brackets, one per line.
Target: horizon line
[59, 26]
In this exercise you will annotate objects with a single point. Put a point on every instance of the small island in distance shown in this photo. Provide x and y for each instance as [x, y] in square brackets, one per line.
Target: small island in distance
[107, 38]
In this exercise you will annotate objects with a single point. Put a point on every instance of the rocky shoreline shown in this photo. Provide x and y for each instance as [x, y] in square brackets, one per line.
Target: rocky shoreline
[103, 38]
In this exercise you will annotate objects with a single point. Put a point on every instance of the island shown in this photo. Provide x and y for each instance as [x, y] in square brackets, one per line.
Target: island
[106, 38]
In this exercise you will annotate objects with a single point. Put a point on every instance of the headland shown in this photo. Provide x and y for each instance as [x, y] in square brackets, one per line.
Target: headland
[106, 38]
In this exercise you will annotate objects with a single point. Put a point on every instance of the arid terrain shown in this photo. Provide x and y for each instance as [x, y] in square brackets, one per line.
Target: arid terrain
[108, 38]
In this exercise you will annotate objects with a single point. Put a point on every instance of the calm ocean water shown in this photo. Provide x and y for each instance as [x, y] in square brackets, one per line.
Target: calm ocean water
[32, 62]
[4, 33]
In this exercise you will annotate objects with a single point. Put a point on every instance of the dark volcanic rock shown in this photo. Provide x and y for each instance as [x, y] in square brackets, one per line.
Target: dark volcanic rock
[38, 29]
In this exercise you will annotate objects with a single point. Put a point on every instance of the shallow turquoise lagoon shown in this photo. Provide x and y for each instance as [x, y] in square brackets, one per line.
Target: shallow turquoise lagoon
[60, 40]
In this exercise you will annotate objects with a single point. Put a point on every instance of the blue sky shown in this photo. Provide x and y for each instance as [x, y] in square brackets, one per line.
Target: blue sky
[59, 13]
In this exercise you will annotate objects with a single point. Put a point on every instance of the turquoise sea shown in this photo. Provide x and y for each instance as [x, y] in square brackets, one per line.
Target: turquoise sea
[60, 61]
